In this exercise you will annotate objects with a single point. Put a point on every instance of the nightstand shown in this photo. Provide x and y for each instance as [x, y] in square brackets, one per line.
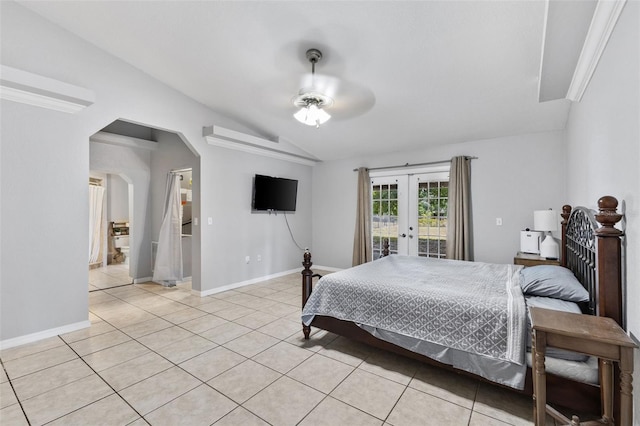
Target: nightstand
[527, 259]
[588, 334]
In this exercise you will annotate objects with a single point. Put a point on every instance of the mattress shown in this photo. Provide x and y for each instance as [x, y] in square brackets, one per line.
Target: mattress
[470, 315]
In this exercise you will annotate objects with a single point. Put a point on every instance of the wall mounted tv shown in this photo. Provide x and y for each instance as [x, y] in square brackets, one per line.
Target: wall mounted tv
[271, 193]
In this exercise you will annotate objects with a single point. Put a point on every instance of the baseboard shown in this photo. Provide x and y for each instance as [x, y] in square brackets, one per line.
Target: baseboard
[243, 283]
[150, 280]
[34, 337]
[326, 268]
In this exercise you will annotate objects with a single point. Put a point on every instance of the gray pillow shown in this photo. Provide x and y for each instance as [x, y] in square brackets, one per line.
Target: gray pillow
[556, 305]
[552, 281]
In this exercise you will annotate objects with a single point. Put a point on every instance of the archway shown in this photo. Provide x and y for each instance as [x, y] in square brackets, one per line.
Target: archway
[142, 156]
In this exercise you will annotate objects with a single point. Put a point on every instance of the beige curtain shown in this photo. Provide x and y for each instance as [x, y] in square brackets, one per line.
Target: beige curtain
[362, 235]
[459, 244]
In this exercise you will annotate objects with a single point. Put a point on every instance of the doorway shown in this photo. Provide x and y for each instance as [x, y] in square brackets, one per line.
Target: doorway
[143, 156]
[410, 210]
[109, 253]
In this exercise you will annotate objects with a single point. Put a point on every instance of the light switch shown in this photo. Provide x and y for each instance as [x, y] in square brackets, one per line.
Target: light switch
[498, 221]
[195, 221]
[210, 220]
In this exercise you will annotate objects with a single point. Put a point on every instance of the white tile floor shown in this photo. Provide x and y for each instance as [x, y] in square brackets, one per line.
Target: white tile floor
[109, 276]
[161, 356]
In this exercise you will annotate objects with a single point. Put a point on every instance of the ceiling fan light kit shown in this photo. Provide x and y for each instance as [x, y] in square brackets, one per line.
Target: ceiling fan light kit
[310, 101]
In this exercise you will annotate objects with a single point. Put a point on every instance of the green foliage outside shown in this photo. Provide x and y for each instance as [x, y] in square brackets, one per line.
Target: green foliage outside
[432, 207]
[432, 200]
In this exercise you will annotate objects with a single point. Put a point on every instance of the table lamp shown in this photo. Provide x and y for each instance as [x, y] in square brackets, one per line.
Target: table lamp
[546, 221]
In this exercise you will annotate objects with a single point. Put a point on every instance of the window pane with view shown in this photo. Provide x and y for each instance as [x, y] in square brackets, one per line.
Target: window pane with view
[385, 218]
[432, 219]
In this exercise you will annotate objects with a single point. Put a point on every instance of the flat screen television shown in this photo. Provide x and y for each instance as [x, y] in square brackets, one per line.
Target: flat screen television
[271, 193]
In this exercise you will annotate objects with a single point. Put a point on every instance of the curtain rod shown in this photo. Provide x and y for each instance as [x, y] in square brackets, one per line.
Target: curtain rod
[414, 165]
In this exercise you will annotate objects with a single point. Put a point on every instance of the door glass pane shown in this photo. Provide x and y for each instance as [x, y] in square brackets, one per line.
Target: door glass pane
[432, 218]
[385, 217]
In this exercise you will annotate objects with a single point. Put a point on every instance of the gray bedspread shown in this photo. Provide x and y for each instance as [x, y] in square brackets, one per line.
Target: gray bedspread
[467, 314]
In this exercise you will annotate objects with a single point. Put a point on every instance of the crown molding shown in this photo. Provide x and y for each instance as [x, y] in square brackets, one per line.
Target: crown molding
[230, 139]
[32, 89]
[126, 141]
[604, 21]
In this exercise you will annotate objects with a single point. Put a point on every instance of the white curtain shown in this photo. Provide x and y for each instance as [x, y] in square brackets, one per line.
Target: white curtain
[96, 197]
[168, 267]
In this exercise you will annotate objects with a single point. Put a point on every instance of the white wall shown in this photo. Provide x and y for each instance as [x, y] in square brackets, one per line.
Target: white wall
[50, 151]
[603, 134]
[512, 177]
[117, 198]
[241, 233]
[171, 154]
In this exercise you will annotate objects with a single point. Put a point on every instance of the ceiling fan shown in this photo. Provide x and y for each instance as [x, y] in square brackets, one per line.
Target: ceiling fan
[312, 99]
[319, 96]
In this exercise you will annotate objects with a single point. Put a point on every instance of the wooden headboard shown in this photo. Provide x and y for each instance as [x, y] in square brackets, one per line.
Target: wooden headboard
[591, 249]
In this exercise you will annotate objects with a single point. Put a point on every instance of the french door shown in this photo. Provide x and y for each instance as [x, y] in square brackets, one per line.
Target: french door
[410, 210]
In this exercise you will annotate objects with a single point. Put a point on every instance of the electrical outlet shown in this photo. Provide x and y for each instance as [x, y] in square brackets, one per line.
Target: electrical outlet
[195, 221]
[247, 259]
[259, 258]
[498, 221]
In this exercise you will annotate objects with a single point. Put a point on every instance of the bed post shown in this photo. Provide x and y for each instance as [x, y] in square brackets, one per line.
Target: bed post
[566, 212]
[609, 260]
[307, 276]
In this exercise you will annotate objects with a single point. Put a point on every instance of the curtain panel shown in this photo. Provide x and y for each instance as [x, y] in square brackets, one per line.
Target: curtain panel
[96, 200]
[362, 251]
[459, 244]
[168, 267]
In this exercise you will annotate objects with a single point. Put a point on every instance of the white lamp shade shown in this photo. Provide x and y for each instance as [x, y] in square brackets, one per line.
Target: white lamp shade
[311, 115]
[545, 220]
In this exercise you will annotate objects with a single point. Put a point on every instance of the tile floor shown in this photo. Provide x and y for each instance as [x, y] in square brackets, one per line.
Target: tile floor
[109, 276]
[163, 356]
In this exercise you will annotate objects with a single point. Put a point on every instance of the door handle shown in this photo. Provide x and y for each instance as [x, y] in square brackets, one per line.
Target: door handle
[410, 235]
[403, 235]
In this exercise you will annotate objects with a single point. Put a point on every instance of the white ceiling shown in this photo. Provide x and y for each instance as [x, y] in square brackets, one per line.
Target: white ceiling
[413, 73]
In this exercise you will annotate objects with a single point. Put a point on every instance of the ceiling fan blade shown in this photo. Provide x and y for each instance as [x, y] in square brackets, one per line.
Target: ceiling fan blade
[350, 99]
[325, 84]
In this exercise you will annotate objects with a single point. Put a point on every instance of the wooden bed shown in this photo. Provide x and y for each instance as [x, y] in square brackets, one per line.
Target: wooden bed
[591, 249]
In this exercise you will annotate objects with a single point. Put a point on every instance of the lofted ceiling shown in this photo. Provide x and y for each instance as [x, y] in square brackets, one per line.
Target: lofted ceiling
[411, 74]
